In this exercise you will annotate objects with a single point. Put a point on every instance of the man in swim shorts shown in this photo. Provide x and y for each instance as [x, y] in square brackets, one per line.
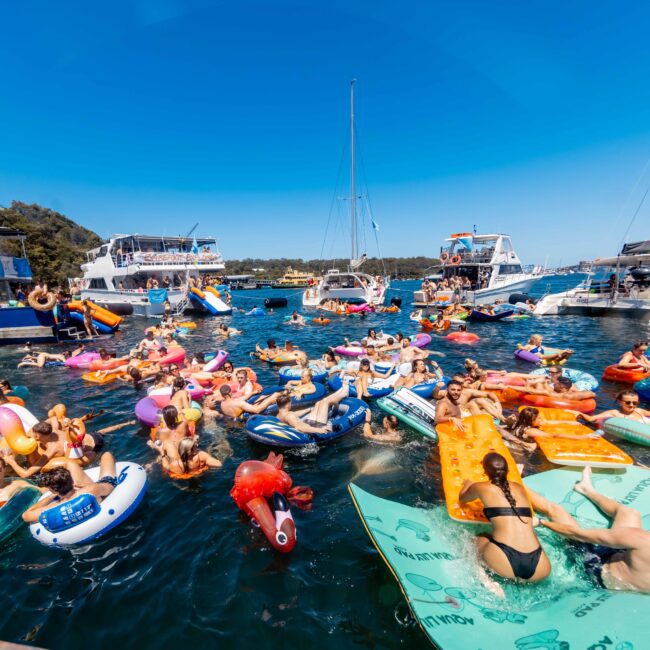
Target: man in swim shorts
[70, 481]
[628, 408]
[234, 407]
[617, 557]
[449, 409]
[408, 353]
[315, 420]
[49, 447]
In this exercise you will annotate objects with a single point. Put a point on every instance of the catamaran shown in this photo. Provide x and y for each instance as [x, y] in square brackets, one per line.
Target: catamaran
[117, 274]
[351, 285]
[488, 266]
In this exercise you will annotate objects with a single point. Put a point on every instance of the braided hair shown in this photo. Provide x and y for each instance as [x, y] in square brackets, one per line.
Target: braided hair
[496, 469]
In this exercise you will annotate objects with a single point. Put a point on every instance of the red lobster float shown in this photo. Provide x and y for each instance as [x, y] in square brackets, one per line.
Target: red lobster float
[263, 491]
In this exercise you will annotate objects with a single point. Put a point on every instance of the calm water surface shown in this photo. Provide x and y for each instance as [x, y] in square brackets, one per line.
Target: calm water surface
[187, 570]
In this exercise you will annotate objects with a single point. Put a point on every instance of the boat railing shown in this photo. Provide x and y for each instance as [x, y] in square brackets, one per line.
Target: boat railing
[165, 259]
[475, 257]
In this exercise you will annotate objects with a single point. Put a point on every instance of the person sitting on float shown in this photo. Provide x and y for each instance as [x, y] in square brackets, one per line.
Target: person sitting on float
[636, 358]
[628, 408]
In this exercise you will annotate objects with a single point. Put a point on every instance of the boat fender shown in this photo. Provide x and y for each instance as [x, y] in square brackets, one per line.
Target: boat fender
[70, 513]
[396, 300]
[270, 303]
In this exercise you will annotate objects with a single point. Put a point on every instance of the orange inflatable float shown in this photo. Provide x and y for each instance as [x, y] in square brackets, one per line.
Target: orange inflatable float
[596, 452]
[258, 484]
[461, 456]
[559, 402]
[11, 428]
[624, 375]
[99, 314]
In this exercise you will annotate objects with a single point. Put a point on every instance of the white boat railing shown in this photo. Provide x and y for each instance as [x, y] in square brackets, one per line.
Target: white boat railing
[166, 259]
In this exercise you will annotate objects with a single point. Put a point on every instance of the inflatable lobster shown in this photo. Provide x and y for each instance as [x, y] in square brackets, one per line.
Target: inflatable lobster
[258, 482]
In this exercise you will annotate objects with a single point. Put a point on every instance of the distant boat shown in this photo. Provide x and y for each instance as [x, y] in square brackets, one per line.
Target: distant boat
[350, 285]
[295, 280]
[488, 263]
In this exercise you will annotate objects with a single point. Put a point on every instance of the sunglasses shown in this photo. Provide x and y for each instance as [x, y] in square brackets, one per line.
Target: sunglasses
[629, 402]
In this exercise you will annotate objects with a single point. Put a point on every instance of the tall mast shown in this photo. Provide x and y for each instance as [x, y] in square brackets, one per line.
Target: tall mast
[353, 189]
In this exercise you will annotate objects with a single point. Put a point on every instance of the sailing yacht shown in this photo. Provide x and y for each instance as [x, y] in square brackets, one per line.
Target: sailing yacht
[351, 285]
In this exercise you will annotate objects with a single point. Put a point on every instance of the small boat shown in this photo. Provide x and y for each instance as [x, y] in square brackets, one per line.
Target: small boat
[482, 317]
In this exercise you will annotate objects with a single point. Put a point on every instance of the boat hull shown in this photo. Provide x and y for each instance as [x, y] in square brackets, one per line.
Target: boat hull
[22, 324]
[131, 302]
[484, 296]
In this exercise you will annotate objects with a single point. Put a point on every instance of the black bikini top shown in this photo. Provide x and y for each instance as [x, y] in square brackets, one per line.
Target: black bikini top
[523, 511]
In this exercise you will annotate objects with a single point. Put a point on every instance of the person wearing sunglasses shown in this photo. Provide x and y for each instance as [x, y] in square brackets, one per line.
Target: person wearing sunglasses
[636, 358]
[628, 407]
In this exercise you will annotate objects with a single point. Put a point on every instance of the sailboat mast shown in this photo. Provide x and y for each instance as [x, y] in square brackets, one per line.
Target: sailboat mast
[353, 189]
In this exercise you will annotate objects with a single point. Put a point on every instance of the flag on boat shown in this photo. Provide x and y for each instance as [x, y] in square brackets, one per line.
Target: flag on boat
[375, 225]
[467, 242]
[195, 246]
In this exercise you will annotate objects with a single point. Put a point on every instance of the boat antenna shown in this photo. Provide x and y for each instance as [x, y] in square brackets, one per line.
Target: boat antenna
[634, 216]
[196, 225]
[353, 189]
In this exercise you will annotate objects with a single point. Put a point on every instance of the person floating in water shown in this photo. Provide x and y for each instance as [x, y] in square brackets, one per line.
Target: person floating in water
[617, 557]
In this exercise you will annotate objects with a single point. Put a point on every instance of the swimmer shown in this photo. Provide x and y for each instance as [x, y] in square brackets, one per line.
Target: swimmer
[235, 407]
[65, 483]
[9, 488]
[534, 346]
[628, 408]
[408, 353]
[49, 446]
[388, 433]
[188, 459]
[618, 557]
[512, 550]
[315, 419]
[226, 332]
[270, 351]
[148, 343]
[299, 388]
[180, 397]
[449, 408]
[244, 388]
[525, 428]
[39, 360]
[561, 386]
[636, 358]
[471, 401]
[295, 319]
[363, 377]
[419, 374]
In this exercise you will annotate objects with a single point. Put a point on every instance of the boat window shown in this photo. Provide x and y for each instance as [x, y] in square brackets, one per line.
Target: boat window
[509, 269]
[97, 283]
[103, 251]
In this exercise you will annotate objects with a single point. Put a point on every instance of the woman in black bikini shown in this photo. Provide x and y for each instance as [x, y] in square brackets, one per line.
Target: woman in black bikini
[506, 505]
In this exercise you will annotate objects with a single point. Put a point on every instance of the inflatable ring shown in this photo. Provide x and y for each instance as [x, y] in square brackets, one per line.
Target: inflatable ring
[444, 257]
[35, 297]
[629, 430]
[321, 321]
[184, 476]
[455, 260]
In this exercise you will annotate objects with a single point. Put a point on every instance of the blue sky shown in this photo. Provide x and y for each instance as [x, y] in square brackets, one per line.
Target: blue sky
[152, 115]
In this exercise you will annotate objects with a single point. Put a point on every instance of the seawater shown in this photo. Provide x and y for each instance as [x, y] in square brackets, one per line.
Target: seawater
[188, 570]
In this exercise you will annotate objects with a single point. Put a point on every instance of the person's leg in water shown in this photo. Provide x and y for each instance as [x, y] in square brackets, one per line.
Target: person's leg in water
[320, 410]
[621, 516]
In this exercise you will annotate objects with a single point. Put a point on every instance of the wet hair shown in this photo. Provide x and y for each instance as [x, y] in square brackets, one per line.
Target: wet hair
[103, 353]
[364, 363]
[414, 364]
[565, 382]
[136, 375]
[225, 390]
[639, 344]
[270, 343]
[283, 401]
[372, 331]
[162, 351]
[178, 384]
[170, 416]
[394, 422]
[390, 340]
[496, 469]
[5, 385]
[330, 355]
[228, 363]
[628, 392]
[59, 480]
[185, 447]
[462, 328]
[524, 420]
[160, 375]
[455, 382]
[43, 428]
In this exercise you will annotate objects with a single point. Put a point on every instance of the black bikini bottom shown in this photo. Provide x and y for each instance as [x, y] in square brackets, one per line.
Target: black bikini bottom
[523, 564]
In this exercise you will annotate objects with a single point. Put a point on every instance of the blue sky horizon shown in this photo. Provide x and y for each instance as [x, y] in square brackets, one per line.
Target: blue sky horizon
[151, 115]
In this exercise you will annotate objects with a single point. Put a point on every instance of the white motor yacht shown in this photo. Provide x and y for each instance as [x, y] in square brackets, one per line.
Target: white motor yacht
[615, 285]
[117, 272]
[488, 266]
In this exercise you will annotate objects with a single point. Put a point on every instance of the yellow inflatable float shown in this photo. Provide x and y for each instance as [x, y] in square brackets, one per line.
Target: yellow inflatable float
[461, 456]
[596, 452]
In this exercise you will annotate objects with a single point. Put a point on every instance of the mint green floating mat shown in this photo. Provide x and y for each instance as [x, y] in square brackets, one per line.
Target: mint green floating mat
[435, 563]
[11, 514]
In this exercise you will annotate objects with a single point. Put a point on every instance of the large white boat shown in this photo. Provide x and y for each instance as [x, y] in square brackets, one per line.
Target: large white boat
[117, 273]
[488, 266]
[351, 285]
[615, 286]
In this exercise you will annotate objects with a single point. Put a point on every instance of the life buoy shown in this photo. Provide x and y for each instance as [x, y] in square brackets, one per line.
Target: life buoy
[455, 260]
[461, 234]
[35, 297]
[444, 257]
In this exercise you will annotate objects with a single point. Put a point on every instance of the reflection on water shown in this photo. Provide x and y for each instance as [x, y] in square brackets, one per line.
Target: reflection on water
[188, 570]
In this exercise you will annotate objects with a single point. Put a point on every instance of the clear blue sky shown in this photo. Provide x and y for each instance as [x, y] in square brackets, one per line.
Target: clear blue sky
[151, 115]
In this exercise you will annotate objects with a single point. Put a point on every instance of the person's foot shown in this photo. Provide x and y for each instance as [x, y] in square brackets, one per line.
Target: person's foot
[584, 484]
